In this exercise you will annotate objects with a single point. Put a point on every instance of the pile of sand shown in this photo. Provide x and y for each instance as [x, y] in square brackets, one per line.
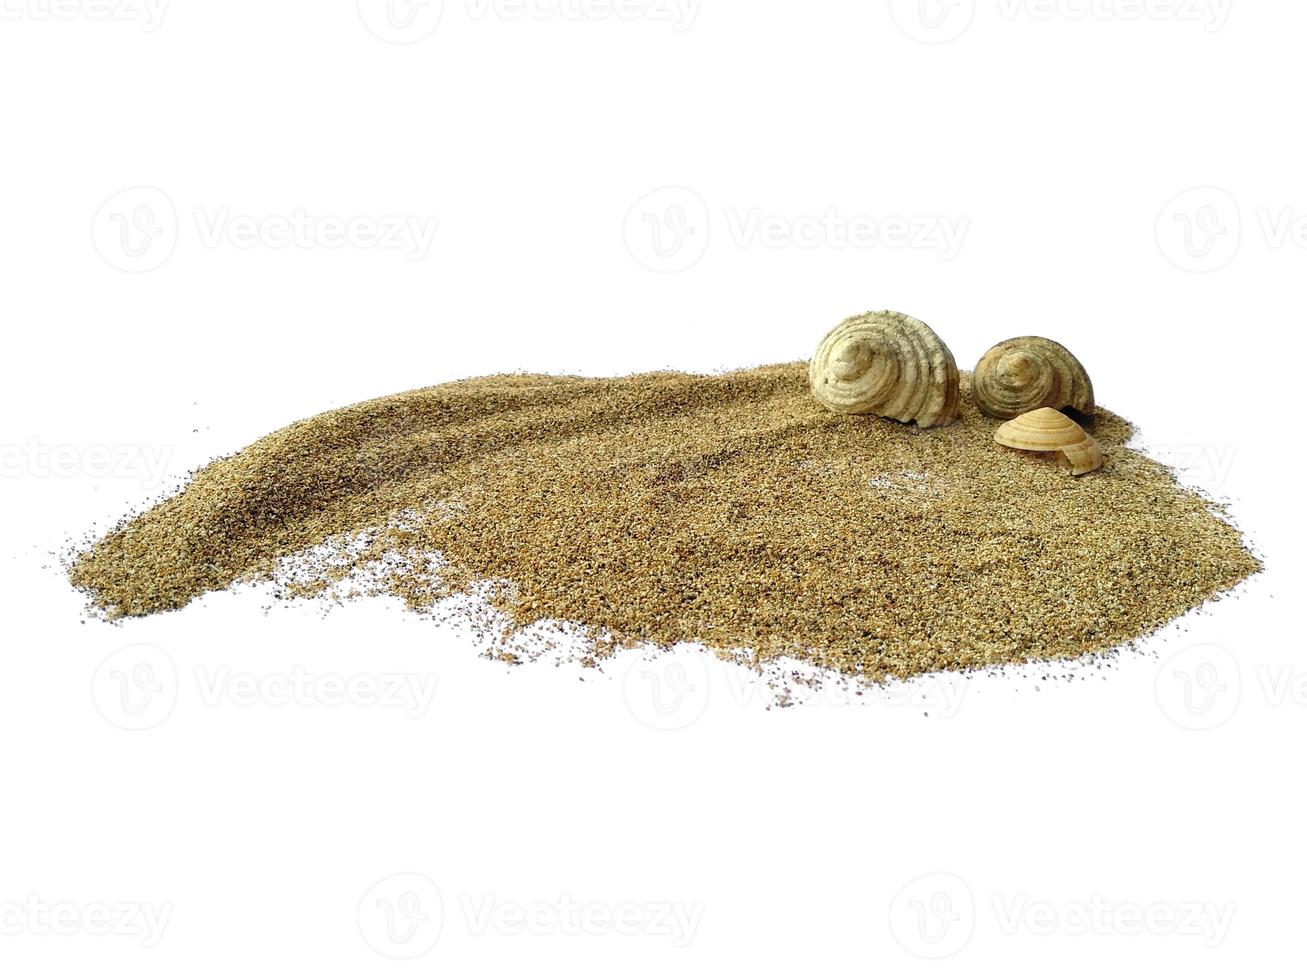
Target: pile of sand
[731, 509]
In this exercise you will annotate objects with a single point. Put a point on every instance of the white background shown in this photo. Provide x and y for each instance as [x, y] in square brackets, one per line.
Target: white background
[1127, 178]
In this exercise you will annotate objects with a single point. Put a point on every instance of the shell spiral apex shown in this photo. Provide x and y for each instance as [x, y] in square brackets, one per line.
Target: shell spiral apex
[1047, 430]
[886, 364]
[1026, 373]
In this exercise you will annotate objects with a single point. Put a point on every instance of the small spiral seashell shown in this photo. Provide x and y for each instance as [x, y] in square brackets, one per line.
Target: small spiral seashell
[1026, 373]
[886, 364]
[1046, 430]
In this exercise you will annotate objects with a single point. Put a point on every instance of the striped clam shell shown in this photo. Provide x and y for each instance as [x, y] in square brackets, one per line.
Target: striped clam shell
[1046, 430]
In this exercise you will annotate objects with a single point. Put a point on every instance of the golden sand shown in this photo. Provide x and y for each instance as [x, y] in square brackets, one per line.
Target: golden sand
[731, 510]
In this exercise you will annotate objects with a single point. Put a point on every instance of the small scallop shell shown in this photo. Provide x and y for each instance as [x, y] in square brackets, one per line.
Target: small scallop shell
[1026, 373]
[886, 364]
[1046, 430]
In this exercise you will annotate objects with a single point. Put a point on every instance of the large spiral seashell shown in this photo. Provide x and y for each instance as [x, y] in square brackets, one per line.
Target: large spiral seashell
[886, 364]
[1046, 430]
[1026, 373]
